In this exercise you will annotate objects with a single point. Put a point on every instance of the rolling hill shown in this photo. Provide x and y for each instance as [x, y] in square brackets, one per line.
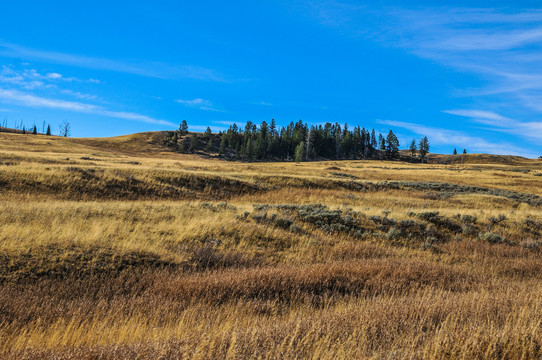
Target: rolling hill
[115, 248]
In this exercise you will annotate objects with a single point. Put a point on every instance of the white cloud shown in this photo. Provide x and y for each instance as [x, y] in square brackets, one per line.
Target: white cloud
[483, 117]
[530, 129]
[54, 75]
[30, 100]
[30, 79]
[459, 139]
[142, 68]
[199, 103]
[79, 95]
[501, 47]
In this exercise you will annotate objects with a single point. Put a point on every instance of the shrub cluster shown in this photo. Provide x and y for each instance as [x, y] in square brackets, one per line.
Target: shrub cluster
[439, 221]
[218, 207]
[492, 238]
[532, 226]
[454, 189]
[262, 217]
[331, 221]
[340, 174]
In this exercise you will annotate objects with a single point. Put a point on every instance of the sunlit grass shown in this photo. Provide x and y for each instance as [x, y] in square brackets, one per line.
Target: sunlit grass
[117, 248]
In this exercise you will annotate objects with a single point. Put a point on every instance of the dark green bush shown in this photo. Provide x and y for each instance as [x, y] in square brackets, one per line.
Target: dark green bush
[284, 223]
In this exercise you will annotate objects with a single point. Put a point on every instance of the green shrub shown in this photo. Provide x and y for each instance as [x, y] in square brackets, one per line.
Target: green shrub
[393, 234]
[491, 238]
[440, 221]
[468, 229]
[469, 219]
[260, 217]
[284, 223]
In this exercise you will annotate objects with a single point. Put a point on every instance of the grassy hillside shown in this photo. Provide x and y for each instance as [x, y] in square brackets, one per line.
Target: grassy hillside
[116, 248]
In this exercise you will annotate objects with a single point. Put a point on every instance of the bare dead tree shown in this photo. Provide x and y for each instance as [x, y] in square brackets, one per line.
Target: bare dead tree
[65, 128]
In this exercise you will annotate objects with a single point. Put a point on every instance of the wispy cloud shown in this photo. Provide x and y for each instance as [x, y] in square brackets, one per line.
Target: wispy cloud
[501, 47]
[54, 75]
[262, 103]
[480, 115]
[32, 78]
[457, 138]
[30, 100]
[530, 129]
[28, 79]
[200, 104]
[142, 68]
[79, 95]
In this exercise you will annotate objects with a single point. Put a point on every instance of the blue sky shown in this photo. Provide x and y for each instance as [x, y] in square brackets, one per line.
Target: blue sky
[467, 73]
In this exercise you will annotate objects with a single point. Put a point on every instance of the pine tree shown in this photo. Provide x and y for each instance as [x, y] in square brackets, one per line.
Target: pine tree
[381, 142]
[175, 138]
[208, 133]
[455, 151]
[249, 152]
[424, 147]
[272, 128]
[373, 140]
[309, 143]
[184, 145]
[347, 144]
[330, 141]
[413, 147]
[261, 141]
[464, 151]
[183, 128]
[272, 139]
[209, 147]
[35, 130]
[338, 148]
[48, 132]
[194, 143]
[392, 145]
[222, 148]
[300, 152]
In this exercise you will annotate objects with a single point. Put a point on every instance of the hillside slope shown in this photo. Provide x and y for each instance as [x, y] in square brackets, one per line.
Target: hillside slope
[118, 248]
[152, 144]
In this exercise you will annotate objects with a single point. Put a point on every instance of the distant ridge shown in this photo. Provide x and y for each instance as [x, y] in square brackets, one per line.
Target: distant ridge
[152, 142]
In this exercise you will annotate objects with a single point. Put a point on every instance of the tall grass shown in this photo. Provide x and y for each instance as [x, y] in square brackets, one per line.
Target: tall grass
[116, 248]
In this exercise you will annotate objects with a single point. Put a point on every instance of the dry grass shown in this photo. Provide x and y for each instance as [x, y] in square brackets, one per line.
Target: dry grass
[117, 248]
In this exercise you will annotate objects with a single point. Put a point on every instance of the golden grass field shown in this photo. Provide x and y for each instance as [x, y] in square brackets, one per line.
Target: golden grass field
[118, 248]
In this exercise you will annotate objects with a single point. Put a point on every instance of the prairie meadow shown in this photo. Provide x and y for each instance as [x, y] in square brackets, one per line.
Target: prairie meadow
[119, 248]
